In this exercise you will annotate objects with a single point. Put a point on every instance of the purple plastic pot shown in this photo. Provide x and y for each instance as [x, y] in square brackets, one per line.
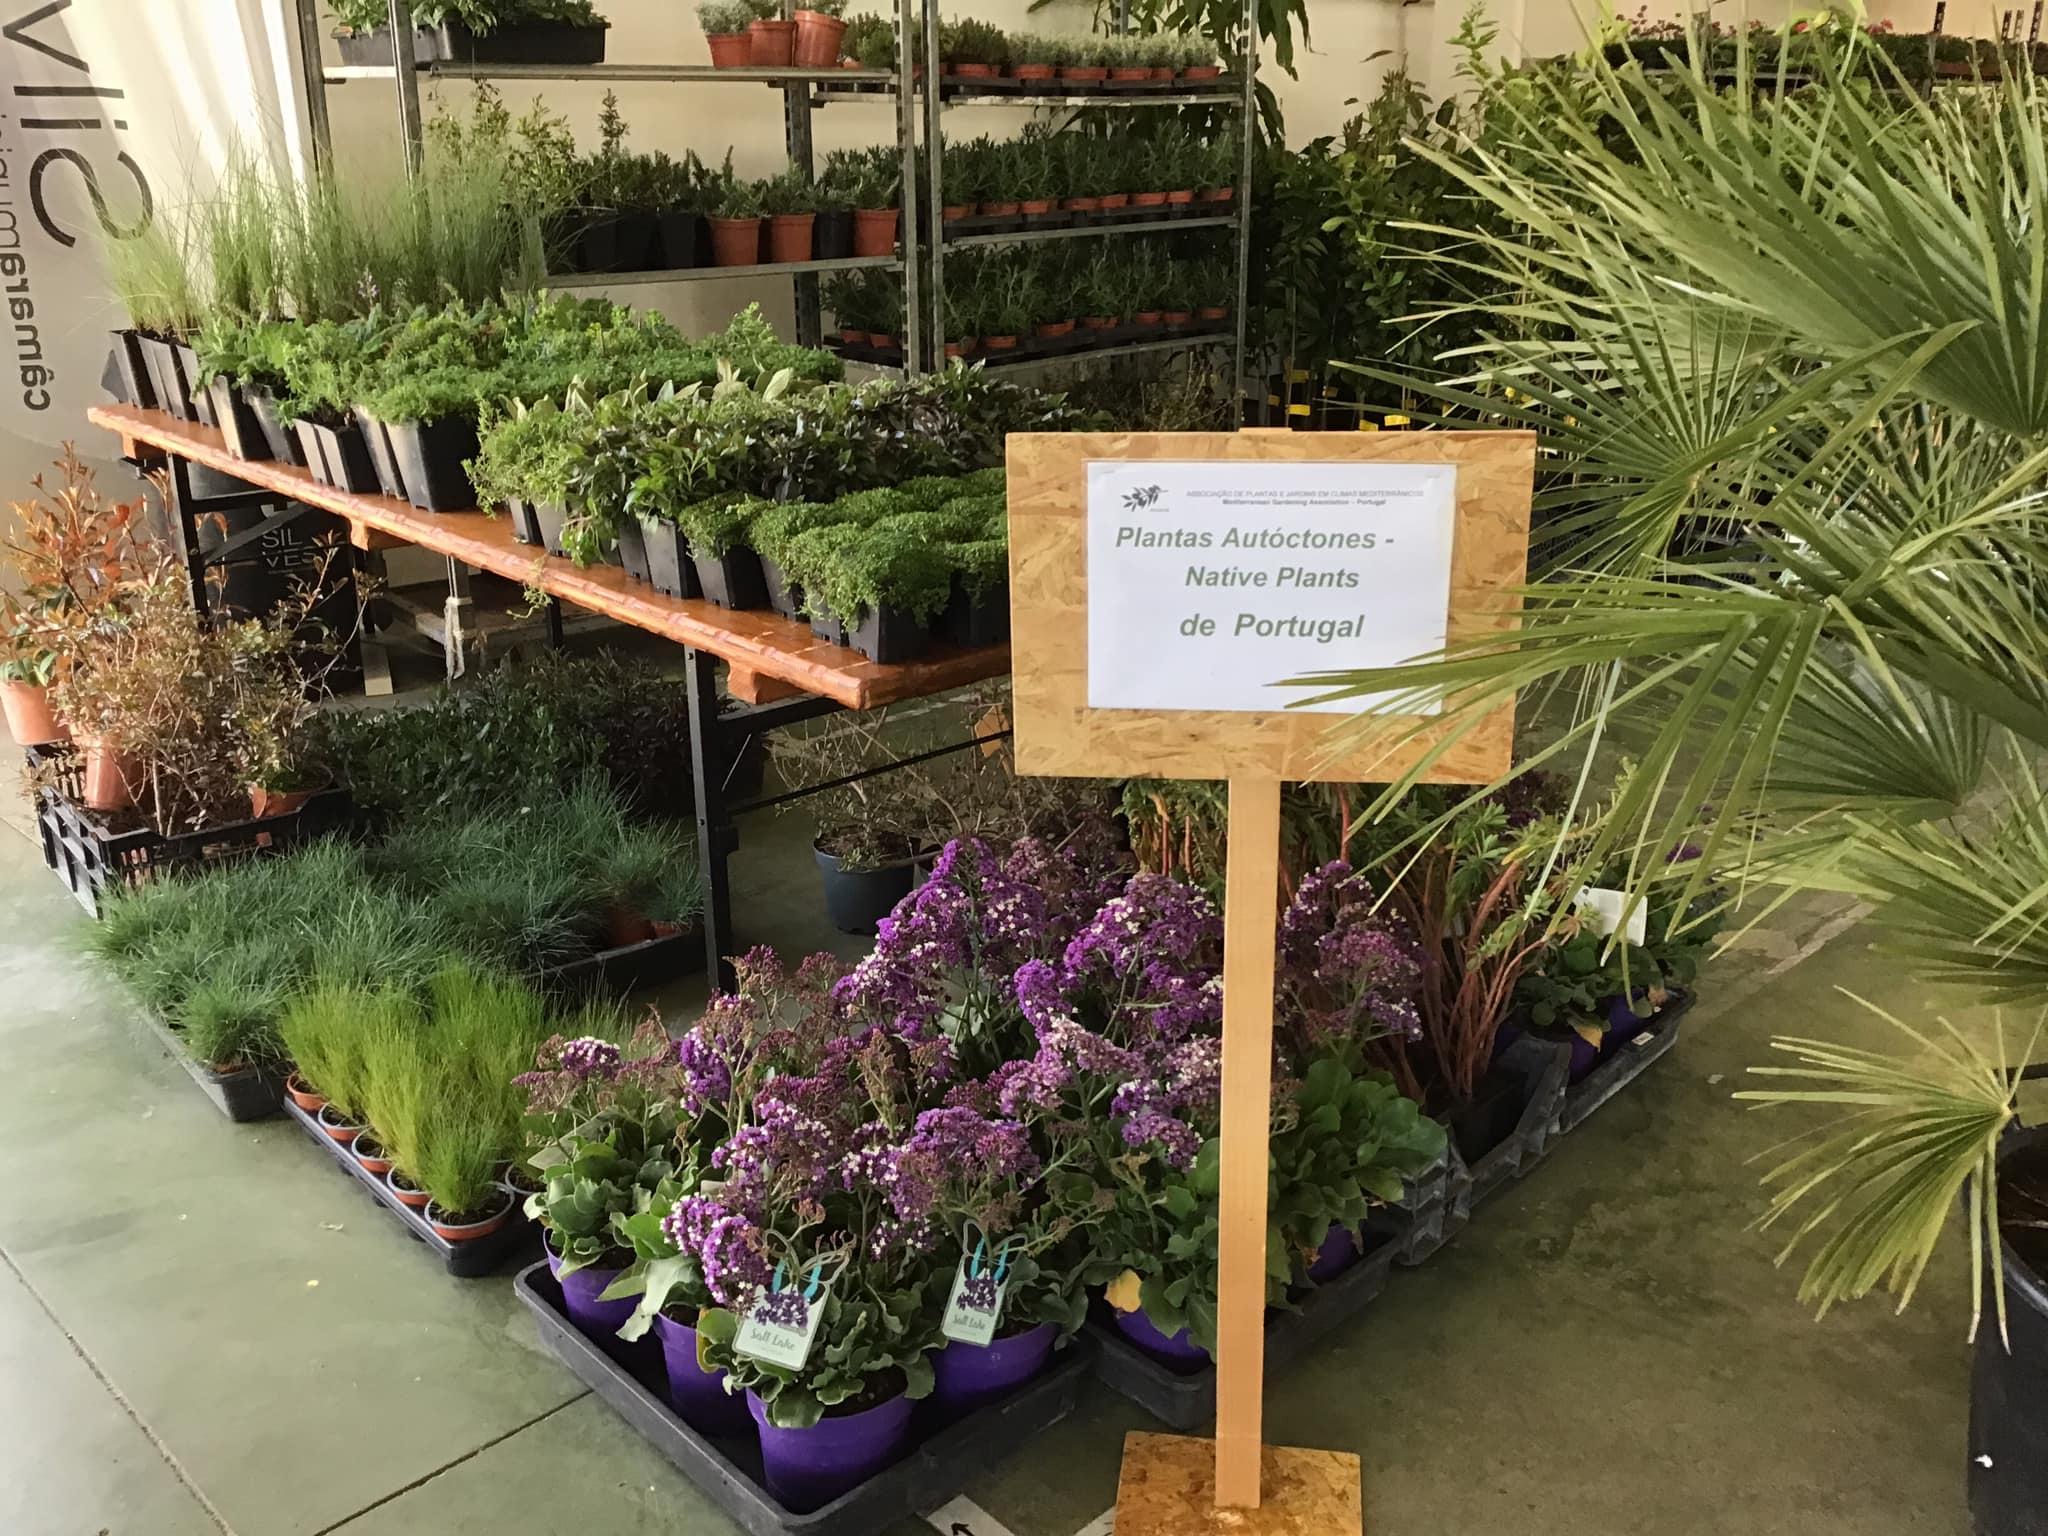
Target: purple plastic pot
[1585, 1056]
[601, 1320]
[1337, 1252]
[969, 1375]
[1624, 1014]
[695, 1393]
[809, 1468]
[1180, 1349]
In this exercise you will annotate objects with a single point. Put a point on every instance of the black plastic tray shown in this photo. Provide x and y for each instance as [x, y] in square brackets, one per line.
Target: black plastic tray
[253, 1093]
[728, 1471]
[619, 972]
[472, 1260]
[1543, 1066]
[1630, 1060]
[1187, 1399]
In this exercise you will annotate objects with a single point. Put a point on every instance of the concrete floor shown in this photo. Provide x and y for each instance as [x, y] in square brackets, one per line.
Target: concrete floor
[203, 1329]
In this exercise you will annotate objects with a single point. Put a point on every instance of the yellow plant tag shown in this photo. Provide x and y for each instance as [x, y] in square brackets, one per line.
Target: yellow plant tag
[1122, 1292]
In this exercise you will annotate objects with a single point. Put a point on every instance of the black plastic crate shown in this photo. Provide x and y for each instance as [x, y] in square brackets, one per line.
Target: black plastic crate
[728, 1471]
[1543, 1066]
[516, 1241]
[1187, 1399]
[249, 1093]
[1629, 1060]
[618, 972]
[93, 855]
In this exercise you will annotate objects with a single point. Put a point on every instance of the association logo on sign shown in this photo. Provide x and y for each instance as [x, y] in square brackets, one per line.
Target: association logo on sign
[1142, 499]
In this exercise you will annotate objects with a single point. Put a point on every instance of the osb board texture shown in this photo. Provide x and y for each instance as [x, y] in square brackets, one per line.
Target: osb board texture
[1168, 1488]
[1057, 733]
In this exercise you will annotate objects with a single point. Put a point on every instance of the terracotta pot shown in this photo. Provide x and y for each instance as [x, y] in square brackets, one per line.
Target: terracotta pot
[773, 44]
[730, 50]
[110, 775]
[1035, 207]
[851, 64]
[623, 927]
[1176, 317]
[265, 803]
[499, 1211]
[789, 236]
[1218, 194]
[666, 930]
[954, 211]
[1202, 72]
[1113, 202]
[1183, 196]
[881, 341]
[1159, 72]
[851, 337]
[312, 1103]
[1098, 322]
[1145, 317]
[1148, 199]
[973, 71]
[735, 242]
[1052, 328]
[30, 720]
[370, 1154]
[1213, 312]
[408, 1193]
[999, 210]
[1133, 74]
[1000, 343]
[874, 231]
[961, 348]
[817, 39]
[334, 1128]
[1081, 204]
[1084, 74]
[1030, 71]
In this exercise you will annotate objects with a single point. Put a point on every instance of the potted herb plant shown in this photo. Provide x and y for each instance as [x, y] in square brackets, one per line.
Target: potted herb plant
[790, 203]
[1084, 61]
[1033, 58]
[736, 223]
[972, 49]
[725, 24]
[819, 31]
[772, 40]
[1128, 57]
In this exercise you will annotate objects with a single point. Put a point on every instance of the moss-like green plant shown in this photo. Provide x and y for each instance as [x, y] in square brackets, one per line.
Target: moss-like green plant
[718, 524]
[894, 563]
[983, 564]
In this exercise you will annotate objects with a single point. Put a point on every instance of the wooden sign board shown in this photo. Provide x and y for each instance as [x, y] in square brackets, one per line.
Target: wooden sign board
[1160, 585]
[1466, 494]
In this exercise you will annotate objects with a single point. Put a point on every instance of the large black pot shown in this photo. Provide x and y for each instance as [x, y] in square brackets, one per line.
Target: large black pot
[669, 566]
[633, 549]
[2009, 1390]
[523, 42]
[733, 579]
[161, 362]
[432, 461]
[238, 422]
[284, 443]
[856, 900]
[683, 235]
[136, 386]
[832, 234]
[377, 438]
[887, 634]
[343, 454]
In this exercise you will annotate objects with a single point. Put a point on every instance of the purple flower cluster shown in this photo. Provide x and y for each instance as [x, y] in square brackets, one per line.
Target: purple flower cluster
[730, 1248]
[588, 1056]
[1347, 971]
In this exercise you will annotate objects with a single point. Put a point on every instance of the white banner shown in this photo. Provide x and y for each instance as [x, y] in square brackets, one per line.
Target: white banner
[114, 110]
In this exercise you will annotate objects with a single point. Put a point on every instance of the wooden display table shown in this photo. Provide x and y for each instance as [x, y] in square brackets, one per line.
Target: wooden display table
[778, 673]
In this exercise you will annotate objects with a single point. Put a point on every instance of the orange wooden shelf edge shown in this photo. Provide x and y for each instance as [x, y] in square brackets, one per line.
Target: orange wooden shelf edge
[757, 644]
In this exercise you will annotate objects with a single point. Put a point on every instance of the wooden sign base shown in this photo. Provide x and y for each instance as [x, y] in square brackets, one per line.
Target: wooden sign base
[1168, 1488]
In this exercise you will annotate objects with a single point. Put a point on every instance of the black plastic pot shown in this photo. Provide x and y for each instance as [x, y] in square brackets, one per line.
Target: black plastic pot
[374, 46]
[782, 597]
[680, 232]
[346, 457]
[376, 437]
[431, 457]
[561, 237]
[669, 566]
[733, 579]
[888, 634]
[2008, 1451]
[825, 624]
[633, 549]
[238, 423]
[549, 518]
[1491, 1117]
[187, 362]
[522, 42]
[525, 528]
[972, 619]
[283, 442]
[832, 234]
[165, 381]
[137, 388]
[856, 900]
[597, 243]
[639, 237]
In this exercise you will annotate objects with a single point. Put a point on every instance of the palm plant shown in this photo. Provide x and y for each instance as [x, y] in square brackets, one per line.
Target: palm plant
[1785, 357]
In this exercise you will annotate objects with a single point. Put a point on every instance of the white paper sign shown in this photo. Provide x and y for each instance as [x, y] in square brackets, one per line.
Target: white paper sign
[1604, 908]
[1210, 582]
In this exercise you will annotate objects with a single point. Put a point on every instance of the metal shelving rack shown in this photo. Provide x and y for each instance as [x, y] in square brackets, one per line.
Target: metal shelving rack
[921, 252]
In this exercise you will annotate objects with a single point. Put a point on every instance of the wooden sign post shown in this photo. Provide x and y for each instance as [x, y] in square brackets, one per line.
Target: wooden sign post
[1160, 584]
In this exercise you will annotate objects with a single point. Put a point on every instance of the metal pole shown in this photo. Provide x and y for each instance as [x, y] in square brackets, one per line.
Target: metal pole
[935, 154]
[716, 836]
[319, 135]
[1247, 118]
[409, 125]
[796, 123]
[906, 138]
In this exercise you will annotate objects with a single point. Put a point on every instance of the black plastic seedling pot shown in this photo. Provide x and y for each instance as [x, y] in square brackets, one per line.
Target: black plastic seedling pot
[282, 441]
[670, 570]
[377, 438]
[733, 579]
[431, 456]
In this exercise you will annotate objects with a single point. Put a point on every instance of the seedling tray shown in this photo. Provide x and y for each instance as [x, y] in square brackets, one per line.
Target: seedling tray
[1187, 1399]
[623, 971]
[728, 1471]
[1626, 1063]
[253, 1093]
[470, 1260]
[1543, 1066]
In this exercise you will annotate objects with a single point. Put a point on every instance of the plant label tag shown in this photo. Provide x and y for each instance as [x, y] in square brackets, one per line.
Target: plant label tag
[1642, 1039]
[1607, 910]
[772, 1333]
[974, 1307]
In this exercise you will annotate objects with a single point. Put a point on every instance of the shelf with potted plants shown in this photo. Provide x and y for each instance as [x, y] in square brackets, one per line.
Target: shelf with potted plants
[1049, 184]
[1036, 304]
[473, 34]
[982, 65]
